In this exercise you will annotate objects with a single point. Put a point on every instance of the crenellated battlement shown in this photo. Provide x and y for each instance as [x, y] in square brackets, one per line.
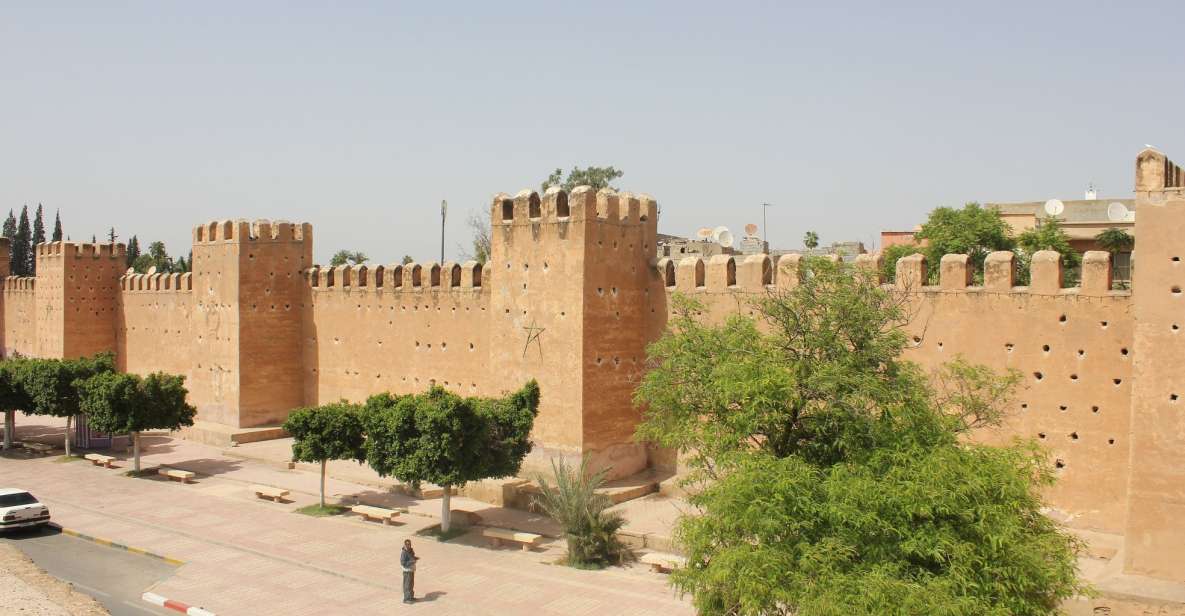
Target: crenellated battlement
[755, 273]
[241, 230]
[582, 204]
[20, 284]
[157, 282]
[79, 250]
[399, 278]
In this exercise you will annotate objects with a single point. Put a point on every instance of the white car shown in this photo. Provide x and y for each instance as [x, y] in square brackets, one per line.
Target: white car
[19, 509]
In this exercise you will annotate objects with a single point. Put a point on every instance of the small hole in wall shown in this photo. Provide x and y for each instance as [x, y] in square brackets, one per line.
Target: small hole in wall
[1176, 259]
[1073, 436]
[1024, 406]
[1045, 348]
[1173, 397]
[1060, 463]
[917, 339]
[1176, 290]
[1073, 377]
[1008, 347]
[1117, 382]
[1094, 409]
[1038, 376]
[1062, 319]
[1081, 353]
[1176, 327]
[1063, 408]
[1123, 352]
[1041, 435]
[939, 346]
[1110, 441]
[1103, 324]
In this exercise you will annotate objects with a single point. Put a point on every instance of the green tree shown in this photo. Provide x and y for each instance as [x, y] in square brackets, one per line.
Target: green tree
[38, 238]
[328, 432]
[22, 252]
[407, 259]
[595, 177]
[810, 240]
[831, 476]
[973, 230]
[1048, 235]
[133, 251]
[442, 438]
[49, 385]
[9, 231]
[156, 257]
[342, 257]
[1115, 240]
[571, 498]
[57, 226]
[122, 403]
[890, 256]
[12, 396]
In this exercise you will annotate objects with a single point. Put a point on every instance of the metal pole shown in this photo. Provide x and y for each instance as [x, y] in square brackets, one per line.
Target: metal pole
[764, 239]
[443, 213]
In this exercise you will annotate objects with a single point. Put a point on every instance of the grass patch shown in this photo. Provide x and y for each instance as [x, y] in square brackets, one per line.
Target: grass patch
[317, 511]
[434, 531]
[144, 472]
[61, 459]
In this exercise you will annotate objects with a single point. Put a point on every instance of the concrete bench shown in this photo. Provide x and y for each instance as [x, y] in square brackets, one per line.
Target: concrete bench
[39, 447]
[371, 512]
[663, 563]
[268, 492]
[172, 473]
[498, 535]
[99, 459]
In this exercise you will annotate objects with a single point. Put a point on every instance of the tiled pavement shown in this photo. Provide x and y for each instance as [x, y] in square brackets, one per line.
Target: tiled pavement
[248, 556]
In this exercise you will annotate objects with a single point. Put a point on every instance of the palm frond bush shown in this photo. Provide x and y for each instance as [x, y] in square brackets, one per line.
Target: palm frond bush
[570, 497]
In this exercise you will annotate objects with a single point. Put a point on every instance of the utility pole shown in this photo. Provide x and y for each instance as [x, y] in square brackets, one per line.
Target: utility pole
[443, 214]
[764, 239]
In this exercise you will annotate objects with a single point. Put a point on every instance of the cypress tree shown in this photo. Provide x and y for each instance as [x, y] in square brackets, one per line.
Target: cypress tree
[133, 250]
[10, 233]
[111, 236]
[21, 245]
[38, 238]
[57, 226]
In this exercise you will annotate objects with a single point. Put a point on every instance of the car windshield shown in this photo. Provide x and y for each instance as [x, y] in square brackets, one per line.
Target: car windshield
[20, 498]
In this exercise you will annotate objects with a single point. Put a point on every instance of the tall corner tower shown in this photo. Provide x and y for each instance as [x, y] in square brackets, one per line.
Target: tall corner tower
[76, 291]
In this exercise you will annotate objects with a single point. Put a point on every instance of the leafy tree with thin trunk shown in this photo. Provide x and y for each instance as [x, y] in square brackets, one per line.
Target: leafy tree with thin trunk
[892, 254]
[133, 250]
[972, 230]
[49, 385]
[122, 403]
[12, 396]
[570, 497]
[811, 240]
[407, 259]
[442, 438]
[832, 477]
[328, 432]
[57, 226]
[479, 226]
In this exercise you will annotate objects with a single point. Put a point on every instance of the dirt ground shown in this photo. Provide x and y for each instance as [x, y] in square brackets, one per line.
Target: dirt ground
[27, 590]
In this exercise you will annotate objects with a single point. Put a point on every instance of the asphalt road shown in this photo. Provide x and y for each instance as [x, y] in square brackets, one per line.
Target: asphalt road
[114, 577]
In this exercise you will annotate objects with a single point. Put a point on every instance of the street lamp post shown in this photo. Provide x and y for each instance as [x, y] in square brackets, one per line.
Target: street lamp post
[443, 214]
[764, 239]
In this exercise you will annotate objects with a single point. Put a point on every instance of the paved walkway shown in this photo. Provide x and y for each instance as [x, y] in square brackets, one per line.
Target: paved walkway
[248, 556]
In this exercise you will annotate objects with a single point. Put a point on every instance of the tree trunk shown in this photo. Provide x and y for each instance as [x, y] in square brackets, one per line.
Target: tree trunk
[69, 420]
[9, 428]
[323, 484]
[445, 510]
[136, 453]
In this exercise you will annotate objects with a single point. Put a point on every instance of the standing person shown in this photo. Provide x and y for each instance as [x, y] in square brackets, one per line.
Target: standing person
[407, 560]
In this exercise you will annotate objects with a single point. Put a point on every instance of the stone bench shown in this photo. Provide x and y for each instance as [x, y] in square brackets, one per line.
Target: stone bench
[99, 459]
[663, 563]
[39, 447]
[268, 492]
[498, 535]
[172, 473]
[370, 512]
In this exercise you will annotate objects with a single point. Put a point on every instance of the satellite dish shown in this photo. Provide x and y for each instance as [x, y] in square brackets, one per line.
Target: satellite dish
[704, 233]
[1054, 207]
[1117, 212]
[722, 236]
[750, 229]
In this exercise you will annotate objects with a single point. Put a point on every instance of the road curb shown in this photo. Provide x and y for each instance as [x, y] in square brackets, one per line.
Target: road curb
[176, 562]
[156, 599]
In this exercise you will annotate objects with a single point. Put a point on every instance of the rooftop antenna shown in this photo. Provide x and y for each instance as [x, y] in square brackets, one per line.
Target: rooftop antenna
[1054, 207]
[764, 206]
[1092, 193]
[443, 215]
[721, 235]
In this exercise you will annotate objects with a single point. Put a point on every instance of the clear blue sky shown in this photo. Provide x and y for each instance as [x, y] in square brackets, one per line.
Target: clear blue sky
[154, 116]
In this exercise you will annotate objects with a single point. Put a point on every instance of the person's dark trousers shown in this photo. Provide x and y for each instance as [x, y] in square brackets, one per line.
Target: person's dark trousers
[409, 582]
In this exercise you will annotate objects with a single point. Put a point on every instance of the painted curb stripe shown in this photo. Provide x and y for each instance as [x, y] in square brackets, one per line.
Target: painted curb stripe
[197, 611]
[176, 562]
[177, 606]
[153, 598]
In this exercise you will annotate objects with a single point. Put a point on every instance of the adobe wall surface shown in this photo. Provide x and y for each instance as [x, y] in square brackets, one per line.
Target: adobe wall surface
[572, 296]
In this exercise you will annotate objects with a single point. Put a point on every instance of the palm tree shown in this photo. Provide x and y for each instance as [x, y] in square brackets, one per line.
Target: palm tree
[574, 502]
